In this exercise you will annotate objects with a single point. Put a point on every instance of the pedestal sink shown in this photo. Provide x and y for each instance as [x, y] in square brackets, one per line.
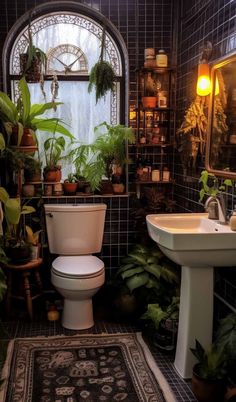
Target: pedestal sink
[197, 244]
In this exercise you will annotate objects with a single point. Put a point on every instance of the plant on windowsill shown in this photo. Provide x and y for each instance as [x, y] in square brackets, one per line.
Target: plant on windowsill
[53, 149]
[22, 120]
[70, 184]
[107, 150]
[102, 75]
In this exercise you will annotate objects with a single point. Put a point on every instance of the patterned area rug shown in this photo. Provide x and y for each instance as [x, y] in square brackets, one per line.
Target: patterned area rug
[83, 368]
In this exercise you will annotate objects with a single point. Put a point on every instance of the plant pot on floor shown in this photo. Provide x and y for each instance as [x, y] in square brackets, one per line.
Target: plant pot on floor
[207, 390]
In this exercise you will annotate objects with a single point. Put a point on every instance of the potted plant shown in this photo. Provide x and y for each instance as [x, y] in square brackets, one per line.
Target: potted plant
[162, 324]
[145, 275]
[209, 374]
[108, 150]
[32, 169]
[70, 184]
[33, 61]
[15, 244]
[22, 120]
[53, 148]
[101, 75]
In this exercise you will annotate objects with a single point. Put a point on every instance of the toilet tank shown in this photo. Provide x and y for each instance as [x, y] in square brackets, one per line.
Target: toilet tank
[75, 229]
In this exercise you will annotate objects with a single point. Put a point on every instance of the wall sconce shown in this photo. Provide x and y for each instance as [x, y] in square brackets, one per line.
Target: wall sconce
[203, 80]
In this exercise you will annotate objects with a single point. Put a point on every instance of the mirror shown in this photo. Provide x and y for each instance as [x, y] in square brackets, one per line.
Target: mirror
[221, 139]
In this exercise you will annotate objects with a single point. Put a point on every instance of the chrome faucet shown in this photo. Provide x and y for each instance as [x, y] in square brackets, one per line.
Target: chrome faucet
[219, 200]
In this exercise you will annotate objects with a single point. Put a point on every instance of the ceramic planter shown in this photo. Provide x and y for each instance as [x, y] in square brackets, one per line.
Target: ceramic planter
[207, 390]
[70, 188]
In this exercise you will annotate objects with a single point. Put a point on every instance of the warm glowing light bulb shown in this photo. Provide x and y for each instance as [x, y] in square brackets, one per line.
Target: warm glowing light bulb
[203, 81]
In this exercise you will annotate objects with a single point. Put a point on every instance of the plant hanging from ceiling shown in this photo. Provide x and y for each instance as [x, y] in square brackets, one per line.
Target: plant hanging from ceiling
[191, 136]
[102, 75]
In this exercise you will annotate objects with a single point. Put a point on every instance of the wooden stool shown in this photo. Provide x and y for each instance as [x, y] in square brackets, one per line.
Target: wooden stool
[25, 271]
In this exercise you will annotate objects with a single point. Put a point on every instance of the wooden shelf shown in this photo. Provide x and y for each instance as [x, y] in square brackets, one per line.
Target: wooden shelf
[164, 145]
[154, 182]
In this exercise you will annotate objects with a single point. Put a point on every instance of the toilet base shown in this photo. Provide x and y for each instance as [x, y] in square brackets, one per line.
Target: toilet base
[77, 314]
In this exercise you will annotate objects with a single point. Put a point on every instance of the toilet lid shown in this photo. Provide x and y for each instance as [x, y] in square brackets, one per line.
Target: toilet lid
[84, 266]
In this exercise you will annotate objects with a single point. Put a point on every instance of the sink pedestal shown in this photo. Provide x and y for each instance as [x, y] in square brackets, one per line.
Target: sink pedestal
[195, 316]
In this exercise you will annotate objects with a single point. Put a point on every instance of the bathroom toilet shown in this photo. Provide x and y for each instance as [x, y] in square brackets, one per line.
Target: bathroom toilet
[75, 232]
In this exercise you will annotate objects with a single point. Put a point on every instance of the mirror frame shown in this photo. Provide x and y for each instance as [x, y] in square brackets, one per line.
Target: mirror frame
[221, 62]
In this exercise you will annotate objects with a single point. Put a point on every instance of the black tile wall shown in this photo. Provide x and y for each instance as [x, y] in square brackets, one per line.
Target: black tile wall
[154, 23]
[142, 23]
[201, 21]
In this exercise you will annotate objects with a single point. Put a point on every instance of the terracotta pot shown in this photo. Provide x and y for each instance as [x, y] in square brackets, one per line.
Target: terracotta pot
[28, 190]
[70, 188]
[118, 188]
[33, 176]
[106, 187]
[52, 175]
[207, 390]
[27, 140]
[149, 102]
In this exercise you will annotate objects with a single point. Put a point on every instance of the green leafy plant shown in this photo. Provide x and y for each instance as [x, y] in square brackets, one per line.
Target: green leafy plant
[147, 267]
[24, 114]
[226, 339]
[210, 185]
[95, 160]
[156, 314]
[14, 213]
[212, 362]
[53, 148]
[191, 135]
[34, 53]
[102, 75]
[71, 178]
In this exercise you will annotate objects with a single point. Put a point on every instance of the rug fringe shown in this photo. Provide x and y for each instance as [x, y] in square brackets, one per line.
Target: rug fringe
[161, 380]
[5, 372]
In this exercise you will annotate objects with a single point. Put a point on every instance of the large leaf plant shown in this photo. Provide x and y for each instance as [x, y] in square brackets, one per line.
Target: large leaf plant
[24, 114]
[148, 270]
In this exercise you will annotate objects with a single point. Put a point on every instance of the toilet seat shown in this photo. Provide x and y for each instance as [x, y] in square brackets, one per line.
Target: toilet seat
[78, 267]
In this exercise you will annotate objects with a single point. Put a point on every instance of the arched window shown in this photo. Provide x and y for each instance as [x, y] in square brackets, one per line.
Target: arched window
[72, 43]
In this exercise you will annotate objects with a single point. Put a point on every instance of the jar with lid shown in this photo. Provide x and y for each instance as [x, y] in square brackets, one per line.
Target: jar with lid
[161, 59]
[162, 99]
[232, 221]
[155, 175]
[166, 174]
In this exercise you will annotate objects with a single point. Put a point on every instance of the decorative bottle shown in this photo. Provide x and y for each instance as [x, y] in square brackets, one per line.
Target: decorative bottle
[161, 59]
[232, 221]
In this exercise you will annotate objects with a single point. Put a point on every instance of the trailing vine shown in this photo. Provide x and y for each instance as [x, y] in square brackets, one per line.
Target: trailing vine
[102, 75]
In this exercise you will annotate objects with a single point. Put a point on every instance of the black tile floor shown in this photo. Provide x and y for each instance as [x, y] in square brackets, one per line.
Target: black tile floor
[20, 326]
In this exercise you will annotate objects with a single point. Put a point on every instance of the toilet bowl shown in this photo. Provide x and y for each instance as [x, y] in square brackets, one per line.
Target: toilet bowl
[75, 232]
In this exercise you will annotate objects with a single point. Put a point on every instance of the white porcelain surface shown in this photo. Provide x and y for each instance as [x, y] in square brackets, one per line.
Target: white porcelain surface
[198, 244]
[75, 232]
[193, 239]
[75, 229]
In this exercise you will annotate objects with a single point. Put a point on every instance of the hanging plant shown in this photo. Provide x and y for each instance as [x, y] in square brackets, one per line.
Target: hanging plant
[102, 75]
[191, 136]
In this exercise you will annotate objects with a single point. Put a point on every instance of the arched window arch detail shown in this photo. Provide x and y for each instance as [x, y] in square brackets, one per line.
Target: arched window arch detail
[116, 51]
[41, 24]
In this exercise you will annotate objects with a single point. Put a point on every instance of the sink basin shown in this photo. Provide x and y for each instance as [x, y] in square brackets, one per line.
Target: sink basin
[198, 244]
[193, 239]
